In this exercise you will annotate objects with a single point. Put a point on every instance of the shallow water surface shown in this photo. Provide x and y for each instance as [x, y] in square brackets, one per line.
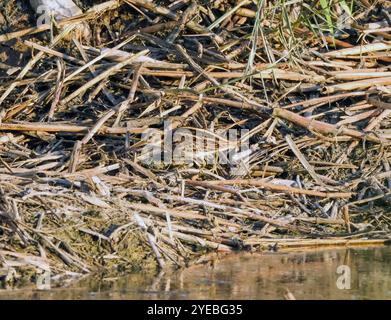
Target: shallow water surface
[306, 274]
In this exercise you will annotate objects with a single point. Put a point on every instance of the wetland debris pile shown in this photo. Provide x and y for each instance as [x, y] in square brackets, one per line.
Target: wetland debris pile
[80, 193]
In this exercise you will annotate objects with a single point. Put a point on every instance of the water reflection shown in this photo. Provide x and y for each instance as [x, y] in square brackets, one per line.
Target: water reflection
[308, 275]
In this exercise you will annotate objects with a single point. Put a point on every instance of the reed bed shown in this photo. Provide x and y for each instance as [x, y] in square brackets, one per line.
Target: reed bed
[77, 94]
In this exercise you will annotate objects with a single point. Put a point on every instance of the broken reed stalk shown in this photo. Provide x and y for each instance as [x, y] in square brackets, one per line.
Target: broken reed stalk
[275, 187]
[324, 128]
[64, 128]
[149, 5]
[102, 76]
[291, 244]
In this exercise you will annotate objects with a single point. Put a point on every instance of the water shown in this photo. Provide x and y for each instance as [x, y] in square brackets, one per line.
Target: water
[307, 275]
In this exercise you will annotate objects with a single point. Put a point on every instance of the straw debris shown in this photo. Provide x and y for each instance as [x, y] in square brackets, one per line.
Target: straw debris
[78, 193]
